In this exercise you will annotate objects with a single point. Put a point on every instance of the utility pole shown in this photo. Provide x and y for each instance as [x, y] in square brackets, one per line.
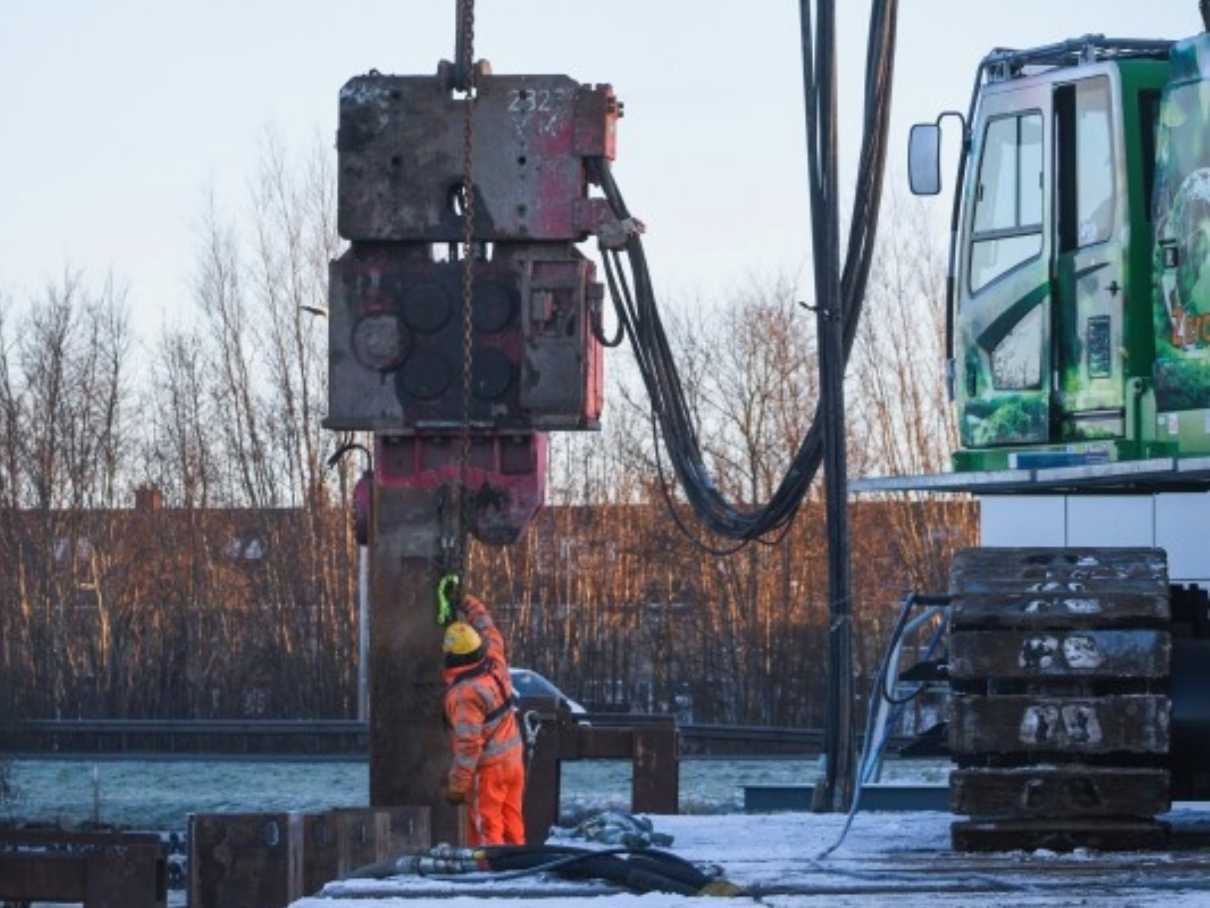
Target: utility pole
[819, 81]
[838, 728]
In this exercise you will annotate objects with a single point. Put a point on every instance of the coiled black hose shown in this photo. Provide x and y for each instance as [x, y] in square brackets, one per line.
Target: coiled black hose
[640, 870]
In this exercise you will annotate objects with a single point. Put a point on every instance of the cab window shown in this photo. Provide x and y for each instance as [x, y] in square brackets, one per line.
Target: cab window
[1086, 170]
[1008, 202]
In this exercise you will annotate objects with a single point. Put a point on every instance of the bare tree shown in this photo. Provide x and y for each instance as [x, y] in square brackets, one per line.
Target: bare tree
[179, 458]
[271, 390]
[295, 239]
[904, 418]
[64, 397]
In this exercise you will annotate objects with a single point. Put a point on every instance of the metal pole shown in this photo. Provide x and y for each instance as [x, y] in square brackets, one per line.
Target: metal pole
[819, 83]
[839, 743]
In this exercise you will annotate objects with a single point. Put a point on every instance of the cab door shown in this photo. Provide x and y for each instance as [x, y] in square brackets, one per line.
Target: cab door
[1004, 316]
[1089, 287]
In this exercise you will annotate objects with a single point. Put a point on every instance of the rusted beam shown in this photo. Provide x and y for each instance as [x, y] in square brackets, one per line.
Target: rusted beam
[101, 870]
[409, 753]
[272, 859]
[655, 783]
[599, 744]
[651, 747]
[47, 877]
[337, 842]
[245, 860]
[543, 782]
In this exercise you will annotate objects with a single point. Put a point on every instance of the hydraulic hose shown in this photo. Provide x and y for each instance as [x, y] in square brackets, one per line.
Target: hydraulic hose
[605, 865]
[640, 870]
[877, 691]
[843, 294]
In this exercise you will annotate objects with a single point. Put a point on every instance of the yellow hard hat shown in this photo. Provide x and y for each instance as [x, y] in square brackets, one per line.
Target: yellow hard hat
[461, 640]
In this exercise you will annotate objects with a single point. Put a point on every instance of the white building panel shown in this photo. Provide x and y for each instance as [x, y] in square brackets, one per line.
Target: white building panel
[1182, 523]
[1111, 520]
[1022, 520]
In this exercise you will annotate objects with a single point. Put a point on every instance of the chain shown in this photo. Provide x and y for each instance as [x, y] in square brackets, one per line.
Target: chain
[466, 47]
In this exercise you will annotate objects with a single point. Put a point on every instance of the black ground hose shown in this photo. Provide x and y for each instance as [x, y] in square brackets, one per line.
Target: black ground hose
[663, 858]
[673, 869]
[642, 870]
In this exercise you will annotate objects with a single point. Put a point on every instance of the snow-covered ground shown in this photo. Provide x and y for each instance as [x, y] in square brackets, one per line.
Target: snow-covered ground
[902, 860]
[887, 859]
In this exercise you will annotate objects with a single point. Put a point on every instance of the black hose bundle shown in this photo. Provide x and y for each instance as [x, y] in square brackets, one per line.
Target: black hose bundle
[841, 294]
[640, 870]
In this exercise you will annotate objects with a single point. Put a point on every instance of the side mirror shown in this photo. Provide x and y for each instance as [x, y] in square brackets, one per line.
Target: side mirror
[924, 159]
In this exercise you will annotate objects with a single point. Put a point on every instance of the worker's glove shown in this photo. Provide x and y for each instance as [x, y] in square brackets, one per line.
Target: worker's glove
[455, 796]
[449, 598]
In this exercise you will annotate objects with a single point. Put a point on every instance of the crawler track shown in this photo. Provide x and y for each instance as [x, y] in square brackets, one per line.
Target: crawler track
[1059, 661]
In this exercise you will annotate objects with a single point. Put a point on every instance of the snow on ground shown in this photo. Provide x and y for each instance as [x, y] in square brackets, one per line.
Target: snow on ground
[899, 859]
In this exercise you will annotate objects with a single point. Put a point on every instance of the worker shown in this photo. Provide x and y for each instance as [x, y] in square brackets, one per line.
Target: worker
[487, 773]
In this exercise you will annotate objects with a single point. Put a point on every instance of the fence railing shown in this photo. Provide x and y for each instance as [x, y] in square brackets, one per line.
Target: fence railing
[339, 737]
[245, 737]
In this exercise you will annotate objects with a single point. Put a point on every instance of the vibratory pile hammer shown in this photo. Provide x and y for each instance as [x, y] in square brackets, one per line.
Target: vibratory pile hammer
[406, 362]
[463, 327]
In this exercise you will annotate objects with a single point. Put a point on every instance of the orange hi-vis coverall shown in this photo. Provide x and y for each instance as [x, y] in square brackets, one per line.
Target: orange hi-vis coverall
[488, 764]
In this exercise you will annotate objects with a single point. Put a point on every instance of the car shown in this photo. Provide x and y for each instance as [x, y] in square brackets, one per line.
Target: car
[529, 684]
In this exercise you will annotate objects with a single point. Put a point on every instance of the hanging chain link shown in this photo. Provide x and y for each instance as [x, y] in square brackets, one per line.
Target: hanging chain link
[466, 46]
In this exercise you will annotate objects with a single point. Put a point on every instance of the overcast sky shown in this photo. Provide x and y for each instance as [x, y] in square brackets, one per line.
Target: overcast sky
[120, 116]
